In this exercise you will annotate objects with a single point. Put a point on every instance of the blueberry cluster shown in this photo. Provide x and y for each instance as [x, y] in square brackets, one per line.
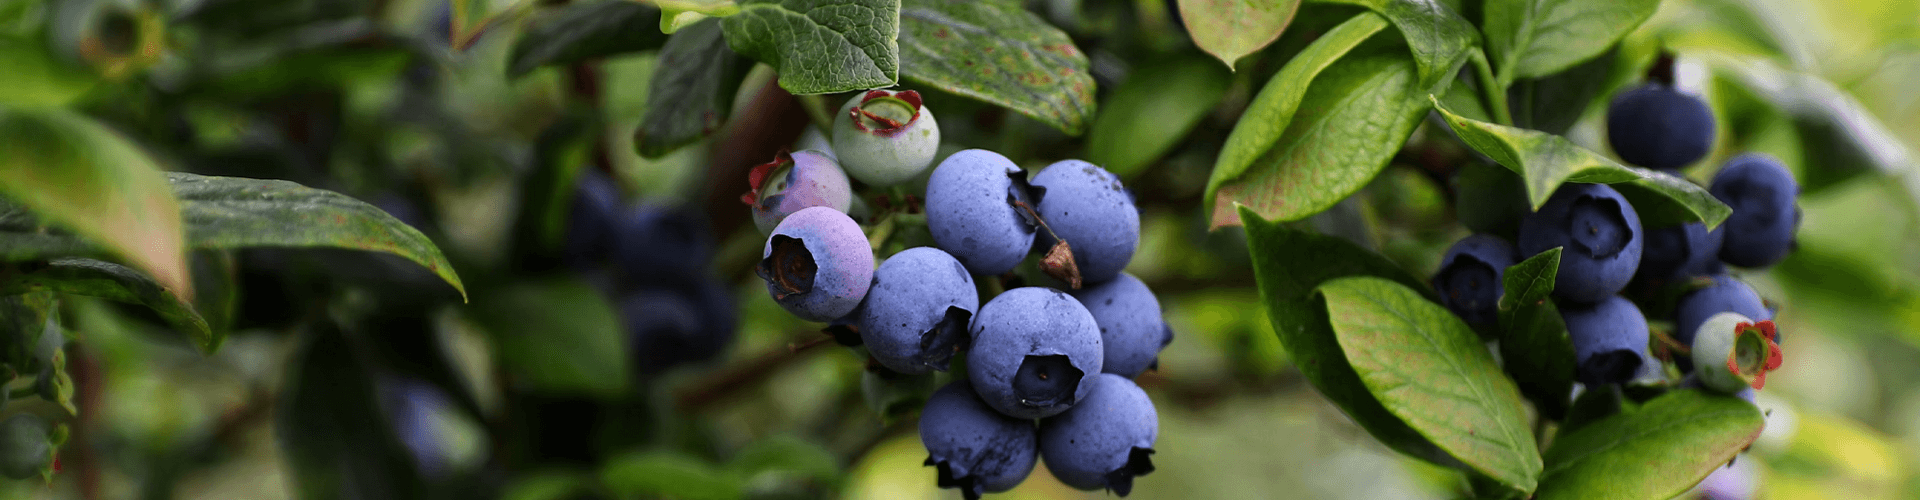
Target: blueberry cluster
[1048, 371]
[1608, 255]
[653, 261]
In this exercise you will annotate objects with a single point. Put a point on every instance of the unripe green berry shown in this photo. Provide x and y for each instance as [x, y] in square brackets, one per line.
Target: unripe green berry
[1732, 352]
[884, 137]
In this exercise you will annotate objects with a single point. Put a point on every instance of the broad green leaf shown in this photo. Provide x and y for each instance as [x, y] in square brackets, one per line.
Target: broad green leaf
[715, 8]
[1545, 161]
[1231, 29]
[34, 77]
[1657, 451]
[1533, 338]
[1288, 265]
[329, 424]
[234, 212]
[821, 46]
[561, 335]
[103, 279]
[585, 30]
[997, 52]
[1267, 116]
[1438, 36]
[692, 90]
[666, 474]
[1833, 126]
[1553, 103]
[1351, 121]
[79, 175]
[1534, 38]
[1150, 112]
[1430, 369]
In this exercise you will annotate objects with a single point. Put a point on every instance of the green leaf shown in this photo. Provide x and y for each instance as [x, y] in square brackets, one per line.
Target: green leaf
[997, 52]
[329, 424]
[72, 171]
[893, 395]
[1430, 369]
[1231, 29]
[103, 279]
[1300, 321]
[1438, 36]
[1658, 451]
[234, 212]
[1351, 121]
[1150, 112]
[585, 30]
[821, 46]
[1261, 126]
[1533, 338]
[1553, 103]
[35, 78]
[692, 90]
[561, 335]
[1534, 38]
[665, 474]
[1546, 160]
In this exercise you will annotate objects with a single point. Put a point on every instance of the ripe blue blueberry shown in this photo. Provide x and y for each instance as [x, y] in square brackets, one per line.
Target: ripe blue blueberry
[1469, 278]
[1600, 234]
[670, 326]
[916, 313]
[592, 219]
[23, 446]
[971, 211]
[1726, 294]
[1035, 352]
[884, 137]
[1609, 340]
[976, 449]
[1761, 192]
[662, 246]
[817, 264]
[1678, 252]
[1087, 206]
[1132, 333]
[1657, 126]
[794, 181]
[1106, 440]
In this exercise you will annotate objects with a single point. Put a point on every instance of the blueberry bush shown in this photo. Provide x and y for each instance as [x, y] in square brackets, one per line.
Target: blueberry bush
[724, 249]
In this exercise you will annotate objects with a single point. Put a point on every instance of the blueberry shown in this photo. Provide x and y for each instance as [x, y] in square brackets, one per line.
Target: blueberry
[1733, 352]
[24, 448]
[1469, 277]
[794, 181]
[1724, 295]
[976, 449]
[916, 313]
[1678, 252]
[1035, 351]
[1761, 191]
[1600, 234]
[1087, 206]
[1132, 333]
[817, 264]
[1736, 481]
[1656, 126]
[662, 246]
[592, 219]
[971, 212]
[1609, 340]
[667, 327]
[884, 137]
[1106, 440]
[813, 139]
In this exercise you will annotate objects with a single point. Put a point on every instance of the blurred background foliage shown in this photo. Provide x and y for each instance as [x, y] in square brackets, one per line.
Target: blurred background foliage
[410, 104]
